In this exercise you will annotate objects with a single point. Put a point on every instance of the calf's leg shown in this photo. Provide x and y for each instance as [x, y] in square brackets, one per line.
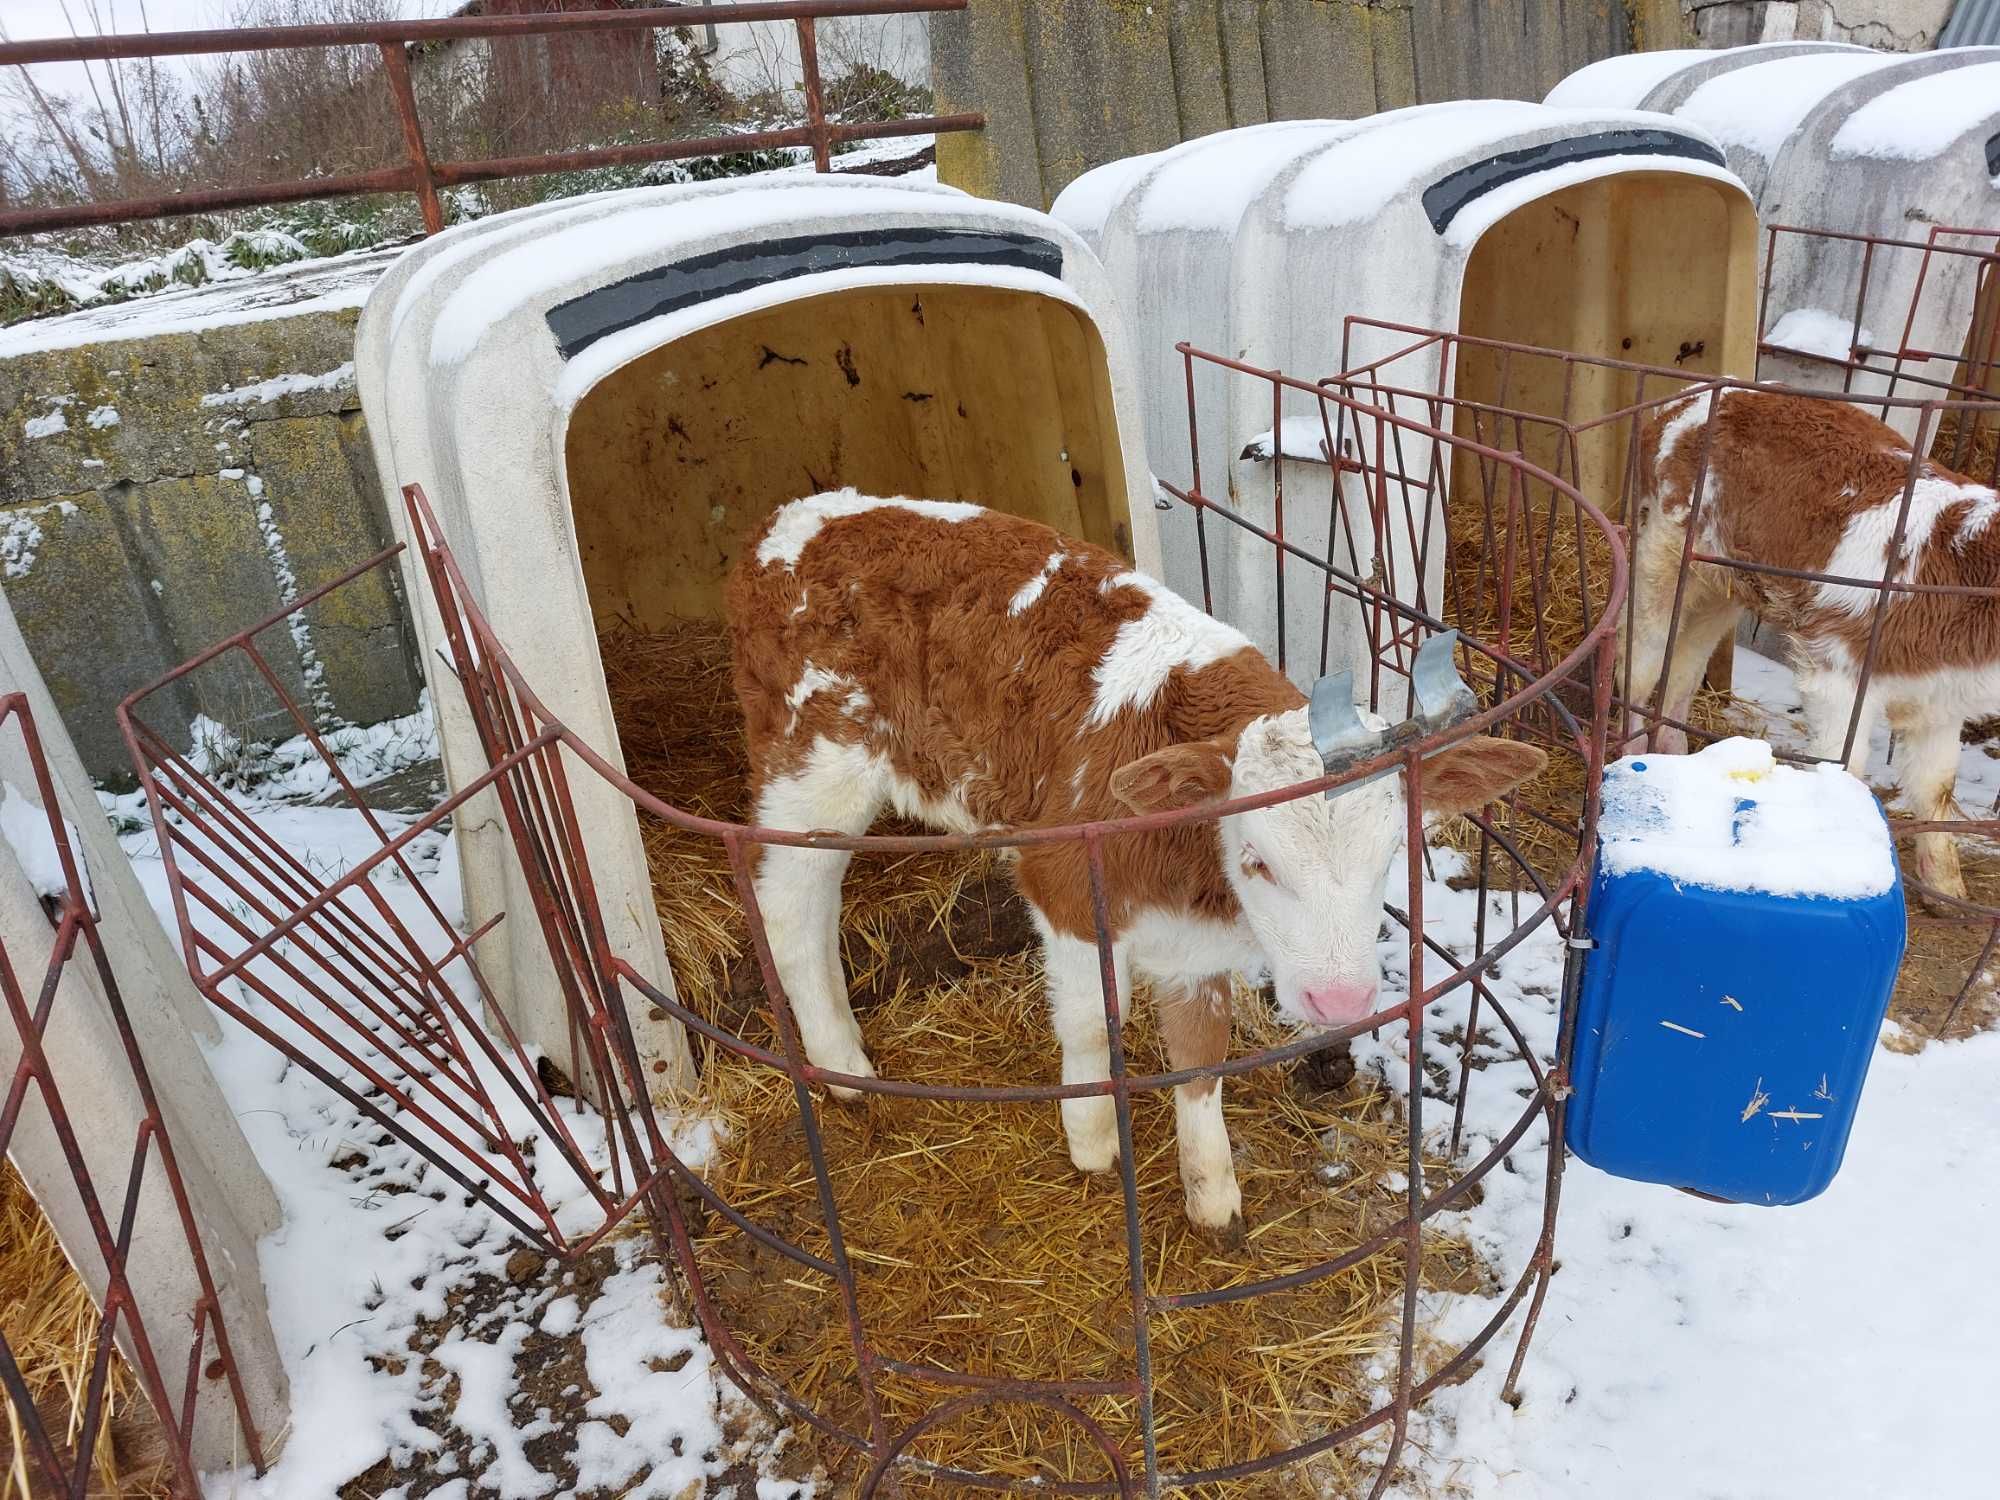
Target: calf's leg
[1930, 785]
[1076, 1005]
[839, 789]
[1827, 694]
[1194, 1020]
[1656, 564]
[1706, 617]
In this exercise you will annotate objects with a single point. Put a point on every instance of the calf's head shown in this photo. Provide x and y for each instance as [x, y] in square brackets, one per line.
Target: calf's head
[1311, 872]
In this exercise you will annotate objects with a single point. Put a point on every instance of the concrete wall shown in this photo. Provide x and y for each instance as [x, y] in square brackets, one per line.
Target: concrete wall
[763, 56]
[1071, 84]
[1892, 25]
[172, 471]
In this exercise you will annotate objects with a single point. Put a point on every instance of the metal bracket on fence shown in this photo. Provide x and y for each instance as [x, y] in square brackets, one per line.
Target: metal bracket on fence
[1342, 737]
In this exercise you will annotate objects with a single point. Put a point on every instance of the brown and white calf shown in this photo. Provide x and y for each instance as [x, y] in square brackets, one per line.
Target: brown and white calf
[975, 671]
[1816, 485]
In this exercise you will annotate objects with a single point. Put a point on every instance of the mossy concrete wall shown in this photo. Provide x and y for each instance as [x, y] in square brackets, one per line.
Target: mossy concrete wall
[172, 472]
[1067, 85]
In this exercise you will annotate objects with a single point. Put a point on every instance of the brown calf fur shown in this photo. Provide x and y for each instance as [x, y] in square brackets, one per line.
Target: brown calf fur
[1815, 484]
[979, 671]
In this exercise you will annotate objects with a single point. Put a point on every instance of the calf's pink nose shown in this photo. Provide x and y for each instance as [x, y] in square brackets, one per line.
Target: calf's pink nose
[1337, 1004]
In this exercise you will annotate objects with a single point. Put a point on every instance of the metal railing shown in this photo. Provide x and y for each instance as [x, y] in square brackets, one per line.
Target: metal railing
[375, 1019]
[419, 174]
[176, 1355]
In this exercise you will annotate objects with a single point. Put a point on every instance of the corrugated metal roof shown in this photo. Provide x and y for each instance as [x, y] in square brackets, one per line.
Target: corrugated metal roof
[1973, 23]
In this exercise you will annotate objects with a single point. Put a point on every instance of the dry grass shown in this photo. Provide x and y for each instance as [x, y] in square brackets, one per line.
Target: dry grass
[1978, 458]
[1943, 954]
[51, 1327]
[977, 1245]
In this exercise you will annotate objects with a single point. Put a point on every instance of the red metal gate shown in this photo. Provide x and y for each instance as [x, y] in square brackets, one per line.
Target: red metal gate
[330, 956]
[173, 1375]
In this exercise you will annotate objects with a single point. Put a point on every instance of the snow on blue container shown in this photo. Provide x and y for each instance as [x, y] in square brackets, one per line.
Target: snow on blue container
[1749, 922]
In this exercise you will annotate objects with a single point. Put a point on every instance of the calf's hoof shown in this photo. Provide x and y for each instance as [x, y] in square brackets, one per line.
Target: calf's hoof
[1215, 1206]
[1228, 1235]
[1938, 870]
[1092, 1127]
[856, 1065]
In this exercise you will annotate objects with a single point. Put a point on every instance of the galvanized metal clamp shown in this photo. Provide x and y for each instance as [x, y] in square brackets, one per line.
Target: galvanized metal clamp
[1343, 739]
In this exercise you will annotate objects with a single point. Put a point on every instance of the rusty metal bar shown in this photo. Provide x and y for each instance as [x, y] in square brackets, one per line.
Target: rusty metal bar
[656, 17]
[396, 64]
[75, 934]
[822, 147]
[420, 175]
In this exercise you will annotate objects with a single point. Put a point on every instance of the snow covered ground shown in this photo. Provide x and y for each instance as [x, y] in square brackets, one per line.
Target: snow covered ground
[1687, 1350]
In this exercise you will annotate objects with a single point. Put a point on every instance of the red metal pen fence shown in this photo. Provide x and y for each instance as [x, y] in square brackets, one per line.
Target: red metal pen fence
[178, 1356]
[418, 173]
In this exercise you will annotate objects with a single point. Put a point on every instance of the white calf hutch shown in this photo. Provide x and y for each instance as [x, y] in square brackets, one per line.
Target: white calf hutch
[1602, 231]
[1861, 143]
[605, 398]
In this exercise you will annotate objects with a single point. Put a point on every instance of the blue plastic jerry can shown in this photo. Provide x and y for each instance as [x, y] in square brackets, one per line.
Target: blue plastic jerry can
[1749, 924]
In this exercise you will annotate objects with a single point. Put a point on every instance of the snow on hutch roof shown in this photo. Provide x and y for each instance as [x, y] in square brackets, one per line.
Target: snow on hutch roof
[1783, 112]
[1754, 110]
[1925, 117]
[1635, 80]
[1327, 218]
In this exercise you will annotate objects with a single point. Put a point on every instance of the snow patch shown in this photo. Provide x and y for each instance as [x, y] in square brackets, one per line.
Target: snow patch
[1814, 330]
[1622, 82]
[1730, 818]
[311, 668]
[1758, 107]
[1923, 118]
[21, 536]
[25, 827]
[282, 385]
[1301, 437]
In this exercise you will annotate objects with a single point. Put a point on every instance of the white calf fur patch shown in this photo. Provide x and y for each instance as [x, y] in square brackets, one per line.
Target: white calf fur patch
[796, 524]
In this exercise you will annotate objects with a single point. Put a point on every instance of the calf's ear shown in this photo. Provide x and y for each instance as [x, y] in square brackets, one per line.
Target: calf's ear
[1178, 776]
[1466, 777]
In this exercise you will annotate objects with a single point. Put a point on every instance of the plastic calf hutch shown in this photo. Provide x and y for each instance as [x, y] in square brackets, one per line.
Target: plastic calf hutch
[1866, 145]
[1599, 230]
[605, 398]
